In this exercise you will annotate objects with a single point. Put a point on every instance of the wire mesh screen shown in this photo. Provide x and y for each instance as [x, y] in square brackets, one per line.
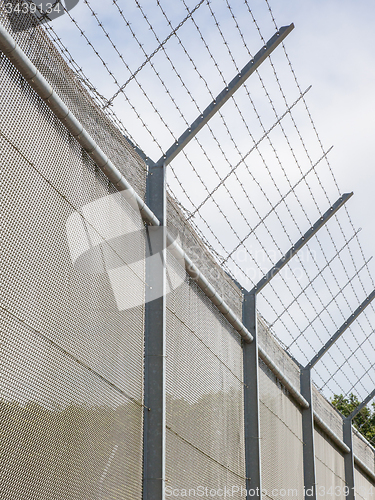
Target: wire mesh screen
[71, 397]
[203, 259]
[205, 433]
[278, 355]
[280, 437]
[66, 433]
[364, 487]
[364, 451]
[329, 464]
[329, 415]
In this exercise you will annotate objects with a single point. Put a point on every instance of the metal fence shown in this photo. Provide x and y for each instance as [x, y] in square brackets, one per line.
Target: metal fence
[103, 395]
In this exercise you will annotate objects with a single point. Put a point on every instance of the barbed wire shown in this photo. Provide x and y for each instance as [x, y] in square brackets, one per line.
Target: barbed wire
[333, 242]
[219, 208]
[230, 167]
[263, 127]
[286, 138]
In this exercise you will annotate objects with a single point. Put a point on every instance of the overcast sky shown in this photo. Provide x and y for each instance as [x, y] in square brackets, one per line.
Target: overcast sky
[333, 49]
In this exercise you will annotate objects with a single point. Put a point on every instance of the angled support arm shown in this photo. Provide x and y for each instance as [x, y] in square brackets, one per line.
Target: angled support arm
[301, 242]
[347, 422]
[251, 383]
[341, 330]
[225, 94]
[362, 405]
[251, 357]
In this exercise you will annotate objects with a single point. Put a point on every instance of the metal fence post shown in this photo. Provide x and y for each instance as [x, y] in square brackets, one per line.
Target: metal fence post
[347, 422]
[251, 373]
[251, 398]
[348, 440]
[308, 436]
[155, 343]
[349, 458]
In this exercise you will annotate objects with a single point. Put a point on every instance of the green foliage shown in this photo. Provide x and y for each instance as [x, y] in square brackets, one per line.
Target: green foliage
[364, 421]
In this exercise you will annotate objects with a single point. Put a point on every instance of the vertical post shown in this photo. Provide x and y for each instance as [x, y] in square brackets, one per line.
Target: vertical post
[251, 397]
[308, 436]
[251, 374]
[349, 457]
[155, 315]
[307, 415]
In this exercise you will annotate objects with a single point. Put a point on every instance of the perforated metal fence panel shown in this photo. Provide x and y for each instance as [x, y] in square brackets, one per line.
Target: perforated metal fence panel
[205, 435]
[329, 415]
[329, 464]
[364, 487]
[364, 451]
[280, 357]
[280, 438]
[71, 394]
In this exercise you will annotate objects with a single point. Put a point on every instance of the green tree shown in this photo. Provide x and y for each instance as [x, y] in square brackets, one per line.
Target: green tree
[364, 421]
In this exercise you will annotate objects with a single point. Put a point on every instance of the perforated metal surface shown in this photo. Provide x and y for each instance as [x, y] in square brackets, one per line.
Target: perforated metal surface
[329, 464]
[45, 56]
[205, 442]
[364, 488]
[280, 357]
[71, 394]
[66, 433]
[363, 450]
[281, 438]
[327, 413]
[202, 258]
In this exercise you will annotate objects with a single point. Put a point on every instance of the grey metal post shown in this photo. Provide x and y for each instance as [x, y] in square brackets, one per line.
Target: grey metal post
[251, 397]
[155, 319]
[308, 436]
[251, 374]
[250, 353]
[348, 440]
[349, 458]
[154, 426]
[347, 422]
